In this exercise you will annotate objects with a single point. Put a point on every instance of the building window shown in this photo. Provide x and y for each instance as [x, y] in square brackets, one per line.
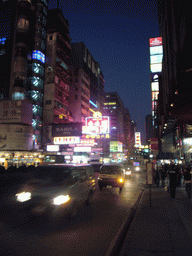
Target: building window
[37, 110]
[36, 96]
[37, 82]
[48, 102]
[18, 96]
[23, 24]
[43, 45]
[38, 69]
[2, 52]
[44, 34]
[50, 37]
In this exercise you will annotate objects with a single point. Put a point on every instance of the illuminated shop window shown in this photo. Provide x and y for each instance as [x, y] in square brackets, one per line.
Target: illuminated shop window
[38, 69]
[37, 82]
[38, 55]
[23, 24]
[18, 96]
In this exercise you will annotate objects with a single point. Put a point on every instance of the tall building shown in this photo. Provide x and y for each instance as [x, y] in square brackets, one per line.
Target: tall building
[22, 56]
[156, 55]
[148, 128]
[129, 133]
[175, 85]
[87, 79]
[58, 71]
[114, 108]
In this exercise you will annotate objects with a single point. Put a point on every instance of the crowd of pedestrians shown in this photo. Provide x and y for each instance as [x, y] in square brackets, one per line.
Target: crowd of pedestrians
[172, 176]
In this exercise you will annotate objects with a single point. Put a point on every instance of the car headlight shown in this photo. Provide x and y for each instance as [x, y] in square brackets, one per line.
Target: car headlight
[121, 180]
[128, 173]
[137, 169]
[23, 196]
[61, 199]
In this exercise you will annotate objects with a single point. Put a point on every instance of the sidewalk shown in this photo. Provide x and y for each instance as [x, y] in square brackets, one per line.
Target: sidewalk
[165, 228]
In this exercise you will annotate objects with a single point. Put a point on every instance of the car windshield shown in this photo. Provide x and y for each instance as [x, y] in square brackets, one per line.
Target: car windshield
[110, 169]
[52, 174]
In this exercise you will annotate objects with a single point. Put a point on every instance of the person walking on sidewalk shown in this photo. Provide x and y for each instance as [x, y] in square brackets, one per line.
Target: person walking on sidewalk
[157, 176]
[172, 180]
[187, 180]
[163, 175]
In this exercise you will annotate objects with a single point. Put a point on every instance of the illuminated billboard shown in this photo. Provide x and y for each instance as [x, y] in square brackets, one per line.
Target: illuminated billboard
[53, 148]
[66, 140]
[155, 41]
[137, 139]
[116, 146]
[99, 125]
[156, 57]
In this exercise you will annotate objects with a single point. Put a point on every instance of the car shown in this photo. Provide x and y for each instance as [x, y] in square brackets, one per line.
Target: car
[55, 191]
[111, 174]
[127, 169]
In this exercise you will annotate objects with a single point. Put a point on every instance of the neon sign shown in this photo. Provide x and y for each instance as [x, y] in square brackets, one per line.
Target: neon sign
[96, 126]
[66, 140]
[38, 55]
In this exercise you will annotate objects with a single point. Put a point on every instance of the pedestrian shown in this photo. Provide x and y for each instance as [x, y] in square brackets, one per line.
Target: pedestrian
[163, 175]
[157, 176]
[187, 180]
[178, 178]
[172, 180]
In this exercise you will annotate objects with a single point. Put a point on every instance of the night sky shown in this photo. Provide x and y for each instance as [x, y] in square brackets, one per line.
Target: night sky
[117, 35]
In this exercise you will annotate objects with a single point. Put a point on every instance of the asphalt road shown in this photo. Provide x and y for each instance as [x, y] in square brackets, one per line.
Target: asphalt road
[90, 233]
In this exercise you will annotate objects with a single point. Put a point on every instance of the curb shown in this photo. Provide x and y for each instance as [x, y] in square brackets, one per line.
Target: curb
[118, 240]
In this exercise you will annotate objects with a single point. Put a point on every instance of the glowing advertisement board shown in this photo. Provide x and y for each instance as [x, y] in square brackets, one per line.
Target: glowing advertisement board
[38, 55]
[116, 146]
[53, 148]
[137, 139]
[66, 140]
[155, 41]
[96, 126]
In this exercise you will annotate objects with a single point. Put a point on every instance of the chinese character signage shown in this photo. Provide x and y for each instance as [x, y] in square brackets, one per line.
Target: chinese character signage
[66, 140]
[96, 126]
[137, 139]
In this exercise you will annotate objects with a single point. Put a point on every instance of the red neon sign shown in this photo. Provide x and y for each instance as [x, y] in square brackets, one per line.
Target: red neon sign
[98, 125]
[155, 41]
